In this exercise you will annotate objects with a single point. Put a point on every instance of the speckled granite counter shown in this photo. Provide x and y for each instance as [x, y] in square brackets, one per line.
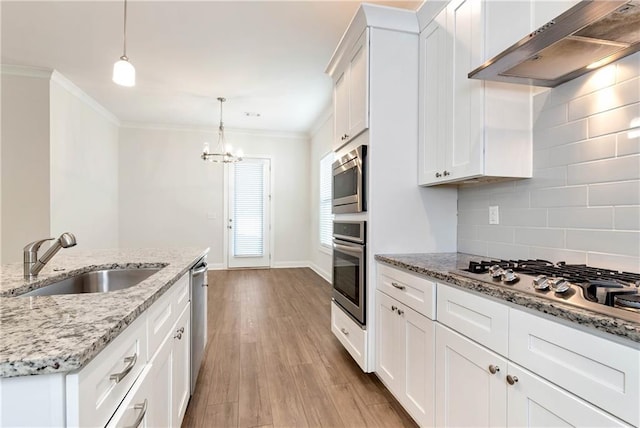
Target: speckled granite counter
[442, 266]
[52, 334]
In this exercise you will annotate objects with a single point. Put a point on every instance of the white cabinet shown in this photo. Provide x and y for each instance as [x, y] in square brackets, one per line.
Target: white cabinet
[467, 392]
[350, 334]
[160, 376]
[181, 369]
[350, 94]
[405, 340]
[498, 366]
[470, 129]
[137, 407]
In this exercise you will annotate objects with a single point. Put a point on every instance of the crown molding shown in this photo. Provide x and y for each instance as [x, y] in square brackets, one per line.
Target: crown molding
[26, 71]
[71, 87]
[227, 130]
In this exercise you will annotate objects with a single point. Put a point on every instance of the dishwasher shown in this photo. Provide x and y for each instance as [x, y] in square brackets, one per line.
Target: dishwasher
[199, 287]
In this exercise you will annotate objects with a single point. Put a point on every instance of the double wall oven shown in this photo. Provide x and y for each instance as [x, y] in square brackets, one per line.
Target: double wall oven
[349, 268]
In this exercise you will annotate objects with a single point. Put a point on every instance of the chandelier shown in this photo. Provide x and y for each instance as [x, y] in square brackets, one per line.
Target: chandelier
[222, 152]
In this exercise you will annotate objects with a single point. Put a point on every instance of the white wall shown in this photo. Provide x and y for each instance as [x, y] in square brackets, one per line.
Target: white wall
[583, 203]
[320, 258]
[169, 197]
[25, 161]
[84, 167]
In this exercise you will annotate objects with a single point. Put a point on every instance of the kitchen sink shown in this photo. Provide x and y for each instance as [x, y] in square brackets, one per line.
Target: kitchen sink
[99, 281]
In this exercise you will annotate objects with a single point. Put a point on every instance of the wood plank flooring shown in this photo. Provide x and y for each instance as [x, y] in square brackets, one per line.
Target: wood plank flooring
[272, 360]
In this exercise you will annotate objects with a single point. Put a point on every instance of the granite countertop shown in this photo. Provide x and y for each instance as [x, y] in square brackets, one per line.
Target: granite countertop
[54, 334]
[443, 266]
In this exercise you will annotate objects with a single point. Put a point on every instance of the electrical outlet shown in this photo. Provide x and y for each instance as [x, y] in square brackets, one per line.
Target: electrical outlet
[494, 215]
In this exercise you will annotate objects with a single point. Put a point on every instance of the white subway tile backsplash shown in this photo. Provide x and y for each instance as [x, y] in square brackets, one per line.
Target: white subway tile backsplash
[625, 93]
[604, 241]
[627, 218]
[581, 218]
[625, 193]
[559, 197]
[582, 204]
[530, 217]
[495, 233]
[584, 151]
[558, 135]
[603, 171]
[615, 120]
[558, 255]
[628, 142]
[550, 117]
[614, 262]
[540, 237]
[508, 251]
[628, 68]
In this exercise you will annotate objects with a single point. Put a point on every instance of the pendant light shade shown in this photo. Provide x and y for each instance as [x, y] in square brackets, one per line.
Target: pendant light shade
[124, 73]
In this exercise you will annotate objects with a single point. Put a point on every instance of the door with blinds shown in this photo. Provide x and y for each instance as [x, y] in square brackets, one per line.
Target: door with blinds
[249, 208]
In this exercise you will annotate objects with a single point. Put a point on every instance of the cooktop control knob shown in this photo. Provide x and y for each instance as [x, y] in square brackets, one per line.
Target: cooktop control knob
[510, 276]
[541, 282]
[496, 272]
[560, 285]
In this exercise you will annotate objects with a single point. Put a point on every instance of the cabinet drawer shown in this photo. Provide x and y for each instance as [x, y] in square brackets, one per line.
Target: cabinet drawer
[414, 291]
[135, 408]
[350, 334]
[604, 373]
[165, 311]
[478, 318]
[95, 390]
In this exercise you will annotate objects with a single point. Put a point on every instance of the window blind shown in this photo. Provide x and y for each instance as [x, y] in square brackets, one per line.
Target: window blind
[248, 230]
[325, 217]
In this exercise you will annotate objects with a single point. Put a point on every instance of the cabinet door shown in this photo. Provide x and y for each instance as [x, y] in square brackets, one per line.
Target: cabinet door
[340, 110]
[390, 342]
[137, 405]
[181, 370]
[161, 376]
[467, 392]
[534, 402]
[419, 344]
[359, 87]
[465, 154]
[435, 88]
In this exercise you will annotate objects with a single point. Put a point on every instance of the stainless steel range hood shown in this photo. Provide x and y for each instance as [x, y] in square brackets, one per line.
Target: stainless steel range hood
[591, 34]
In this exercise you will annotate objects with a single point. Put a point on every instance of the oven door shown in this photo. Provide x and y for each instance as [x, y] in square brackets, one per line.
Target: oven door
[347, 185]
[349, 278]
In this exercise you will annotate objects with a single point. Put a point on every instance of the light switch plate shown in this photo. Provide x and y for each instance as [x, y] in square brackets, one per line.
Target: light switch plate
[494, 215]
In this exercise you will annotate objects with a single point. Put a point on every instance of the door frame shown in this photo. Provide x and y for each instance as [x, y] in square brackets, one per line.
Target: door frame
[225, 233]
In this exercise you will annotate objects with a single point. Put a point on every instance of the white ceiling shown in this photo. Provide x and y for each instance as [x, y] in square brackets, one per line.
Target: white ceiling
[263, 56]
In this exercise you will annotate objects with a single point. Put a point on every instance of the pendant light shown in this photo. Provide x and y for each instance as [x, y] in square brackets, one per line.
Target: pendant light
[222, 152]
[123, 72]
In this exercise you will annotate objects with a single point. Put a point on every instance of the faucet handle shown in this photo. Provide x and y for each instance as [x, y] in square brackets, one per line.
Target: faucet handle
[31, 250]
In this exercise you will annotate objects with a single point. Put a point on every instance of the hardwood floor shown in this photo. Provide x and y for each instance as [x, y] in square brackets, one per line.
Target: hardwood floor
[272, 360]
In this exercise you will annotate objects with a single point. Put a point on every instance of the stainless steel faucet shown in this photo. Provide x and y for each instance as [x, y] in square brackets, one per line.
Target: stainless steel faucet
[32, 266]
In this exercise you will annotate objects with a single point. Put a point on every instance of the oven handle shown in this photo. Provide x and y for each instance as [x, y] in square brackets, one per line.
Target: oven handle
[355, 250]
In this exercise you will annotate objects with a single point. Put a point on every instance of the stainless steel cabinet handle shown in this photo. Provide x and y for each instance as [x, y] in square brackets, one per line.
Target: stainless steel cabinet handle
[130, 361]
[494, 369]
[178, 336]
[398, 286]
[445, 173]
[393, 308]
[180, 330]
[143, 411]
[400, 312]
[438, 175]
[511, 380]
[344, 331]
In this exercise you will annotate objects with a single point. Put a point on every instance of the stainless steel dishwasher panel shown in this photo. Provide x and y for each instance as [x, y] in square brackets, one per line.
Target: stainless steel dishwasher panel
[199, 289]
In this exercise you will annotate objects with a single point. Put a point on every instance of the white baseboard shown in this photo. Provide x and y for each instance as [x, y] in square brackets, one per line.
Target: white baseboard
[297, 264]
[217, 266]
[323, 273]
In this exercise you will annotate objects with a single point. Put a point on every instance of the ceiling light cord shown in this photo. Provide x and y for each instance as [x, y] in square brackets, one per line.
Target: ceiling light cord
[124, 73]
[124, 43]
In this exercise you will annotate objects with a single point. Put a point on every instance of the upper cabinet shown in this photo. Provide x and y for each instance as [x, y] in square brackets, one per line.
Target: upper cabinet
[471, 130]
[351, 94]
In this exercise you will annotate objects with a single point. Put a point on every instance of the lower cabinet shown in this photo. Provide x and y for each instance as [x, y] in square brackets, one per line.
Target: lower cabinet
[181, 368]
[405, 357]
[470, 382]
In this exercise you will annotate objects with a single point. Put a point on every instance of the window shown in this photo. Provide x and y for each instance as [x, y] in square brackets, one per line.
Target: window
[248, 208]
[326, 218]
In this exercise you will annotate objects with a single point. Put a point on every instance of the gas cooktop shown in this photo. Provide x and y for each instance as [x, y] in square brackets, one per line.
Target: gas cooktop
[600, 290]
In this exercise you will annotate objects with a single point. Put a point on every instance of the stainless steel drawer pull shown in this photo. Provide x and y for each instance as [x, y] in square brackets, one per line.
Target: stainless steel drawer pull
[143, 412]
[400, 312]
[511, 380]
[344, 331]
[494, 369]
[180, 330]
[398, 286]
[130, 362]
[393, 308]
[178, 336]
